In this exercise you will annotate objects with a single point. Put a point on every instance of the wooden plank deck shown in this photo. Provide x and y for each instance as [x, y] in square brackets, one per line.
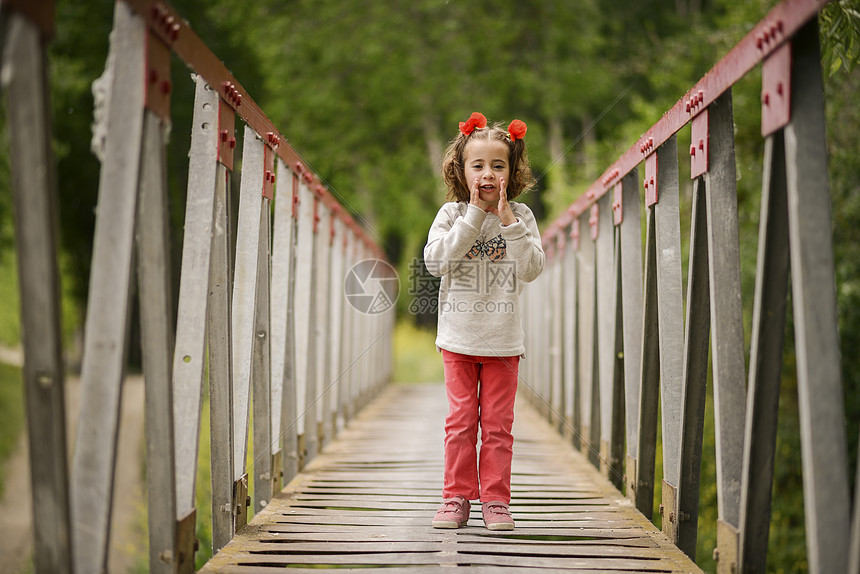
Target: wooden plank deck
[367, 502]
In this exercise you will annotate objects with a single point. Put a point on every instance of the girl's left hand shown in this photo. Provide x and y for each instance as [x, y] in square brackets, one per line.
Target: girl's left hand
[503, 210]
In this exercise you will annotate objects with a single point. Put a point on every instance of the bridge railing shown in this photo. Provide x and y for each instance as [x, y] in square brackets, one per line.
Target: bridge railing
[610, 341]
[273, 330]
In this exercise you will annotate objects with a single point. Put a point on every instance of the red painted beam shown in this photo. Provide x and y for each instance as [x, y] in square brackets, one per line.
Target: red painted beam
[40, 12]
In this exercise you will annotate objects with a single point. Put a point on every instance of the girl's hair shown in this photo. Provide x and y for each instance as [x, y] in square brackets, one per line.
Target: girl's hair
[453, 164]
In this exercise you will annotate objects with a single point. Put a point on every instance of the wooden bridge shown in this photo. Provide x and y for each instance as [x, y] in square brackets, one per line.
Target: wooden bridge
[347, 468]
[366, 501]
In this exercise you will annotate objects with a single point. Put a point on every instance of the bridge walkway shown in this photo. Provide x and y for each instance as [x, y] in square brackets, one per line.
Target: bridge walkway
[366, 502]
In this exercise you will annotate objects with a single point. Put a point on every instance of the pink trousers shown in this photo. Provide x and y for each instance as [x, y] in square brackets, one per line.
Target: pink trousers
[490, 404]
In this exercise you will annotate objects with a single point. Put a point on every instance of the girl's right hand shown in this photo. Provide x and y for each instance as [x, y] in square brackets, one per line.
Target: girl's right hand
[475, 196]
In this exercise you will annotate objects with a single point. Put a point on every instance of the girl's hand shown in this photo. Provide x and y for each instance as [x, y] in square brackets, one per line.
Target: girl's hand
[503, 210]
[475, 197]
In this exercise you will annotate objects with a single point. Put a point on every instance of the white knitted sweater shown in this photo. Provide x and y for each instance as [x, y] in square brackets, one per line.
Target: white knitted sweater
[484, 266]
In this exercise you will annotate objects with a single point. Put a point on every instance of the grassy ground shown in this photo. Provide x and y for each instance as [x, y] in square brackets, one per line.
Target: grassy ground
[10, 331]
[415, 357]
[11, 415]
[11, 387]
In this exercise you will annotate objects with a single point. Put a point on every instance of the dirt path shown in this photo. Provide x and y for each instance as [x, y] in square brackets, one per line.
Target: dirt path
[16, 536]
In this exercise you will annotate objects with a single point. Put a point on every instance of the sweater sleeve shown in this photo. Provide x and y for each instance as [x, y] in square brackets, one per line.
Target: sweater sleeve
[451, 236]
[524, 244]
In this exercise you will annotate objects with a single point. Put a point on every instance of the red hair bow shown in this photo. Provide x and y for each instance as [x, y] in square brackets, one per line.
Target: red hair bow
[517, 129]
[476, 120]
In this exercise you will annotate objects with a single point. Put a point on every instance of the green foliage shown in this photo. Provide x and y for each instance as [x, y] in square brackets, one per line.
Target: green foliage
[77, 57]
[840, 27]
[843, 139]
[10, 322]
[6, 228]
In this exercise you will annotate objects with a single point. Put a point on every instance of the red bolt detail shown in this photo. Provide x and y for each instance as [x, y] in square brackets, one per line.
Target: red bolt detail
[153, 75]
[692, 150]
[779, 88]
[268, 175]
[650, 142]
[765, 98]
[779, 26]
[759, 42]
[174, 32]
[688, 106]
[224, 135]
[238, 99]
[168, 22]
[652, 181]
[232, 143]
[165, 87]
[701, 96]
[702, 145]
[645, 183]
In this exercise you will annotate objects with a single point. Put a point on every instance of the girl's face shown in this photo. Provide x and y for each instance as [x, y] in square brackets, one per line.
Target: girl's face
[487, 162]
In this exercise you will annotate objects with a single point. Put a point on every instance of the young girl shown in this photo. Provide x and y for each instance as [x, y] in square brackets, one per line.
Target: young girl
[484, 248]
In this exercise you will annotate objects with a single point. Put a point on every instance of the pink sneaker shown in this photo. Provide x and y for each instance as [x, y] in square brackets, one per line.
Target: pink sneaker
[497, 516]
[453, 514]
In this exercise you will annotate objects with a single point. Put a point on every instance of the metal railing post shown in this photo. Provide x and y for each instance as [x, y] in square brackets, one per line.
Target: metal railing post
[607, 298]
[283, 423]
[220, 279]
[322, 307]
[261, 364]
[253, 207]
[157, 332]
[819, 380]
[630, 243]
[681, 520]
[25, 83]
[570, 347]
[106, 327]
